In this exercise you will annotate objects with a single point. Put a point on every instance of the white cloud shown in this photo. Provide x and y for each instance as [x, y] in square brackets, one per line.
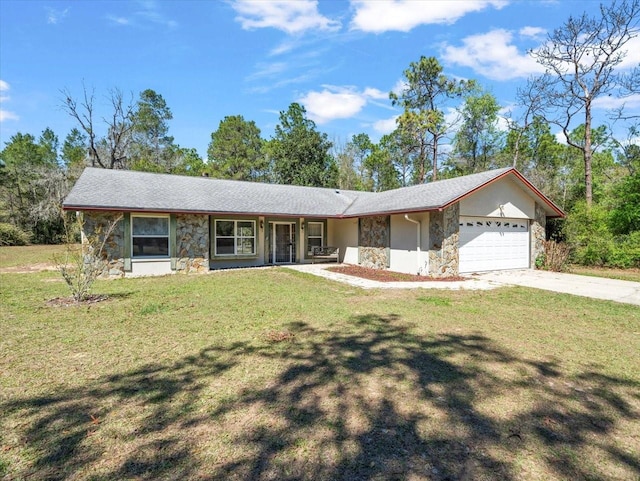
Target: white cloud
[632, 58]
[56, 16]
[386, 126]
[149, 12]
[504, 116]
[6, 114]
[118, 20]
[608, 103]
[375, 94]
[268, 70]
[560, 138]
[404, 15]
[292, 17]
[400, 86]
[333, 103]
[532, 32]
[493, 55]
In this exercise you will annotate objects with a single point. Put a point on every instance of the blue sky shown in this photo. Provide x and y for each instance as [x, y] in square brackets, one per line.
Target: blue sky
[253, 58]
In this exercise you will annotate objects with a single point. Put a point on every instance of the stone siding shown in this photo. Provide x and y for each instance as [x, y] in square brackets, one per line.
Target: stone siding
[374, 242]
[444, 242]
[538, 233]
[192, 247]
[95, 225]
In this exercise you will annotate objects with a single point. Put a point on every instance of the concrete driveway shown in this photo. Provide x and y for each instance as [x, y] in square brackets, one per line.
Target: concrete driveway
[595, 287]
[586, 286]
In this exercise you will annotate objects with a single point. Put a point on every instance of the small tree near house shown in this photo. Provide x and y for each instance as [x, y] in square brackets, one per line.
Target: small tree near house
[80, 265]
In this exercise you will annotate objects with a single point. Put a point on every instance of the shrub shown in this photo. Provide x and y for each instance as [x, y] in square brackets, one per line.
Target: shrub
[587, 233]
[626, 251]
[555, 256]
[10, 235]
[80, 266]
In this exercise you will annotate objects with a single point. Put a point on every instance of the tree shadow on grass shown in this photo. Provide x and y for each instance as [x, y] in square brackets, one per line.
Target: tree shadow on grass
[368, 400]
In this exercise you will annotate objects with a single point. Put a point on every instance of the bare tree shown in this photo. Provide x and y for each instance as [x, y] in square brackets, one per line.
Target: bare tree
[112, 150]
[531, 99]
[580, 59]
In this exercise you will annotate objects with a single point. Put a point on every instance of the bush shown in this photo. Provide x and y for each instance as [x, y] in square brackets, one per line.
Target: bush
[593, 244]
[555, 256]
[80, 266]
[587, 233]
[10, 235]
[626, 251]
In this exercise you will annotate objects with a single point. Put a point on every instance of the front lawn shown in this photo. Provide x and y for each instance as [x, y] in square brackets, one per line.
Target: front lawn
[274, 374]
[631, 274]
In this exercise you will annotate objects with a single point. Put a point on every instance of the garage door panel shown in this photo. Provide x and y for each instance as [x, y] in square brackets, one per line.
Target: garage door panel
[491, 244]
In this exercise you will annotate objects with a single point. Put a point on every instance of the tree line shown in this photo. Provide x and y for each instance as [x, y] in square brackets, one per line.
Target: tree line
[447, 127]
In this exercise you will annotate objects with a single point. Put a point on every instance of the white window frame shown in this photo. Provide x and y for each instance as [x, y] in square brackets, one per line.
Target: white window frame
[168, 236]
[321, 236]
[236, 238]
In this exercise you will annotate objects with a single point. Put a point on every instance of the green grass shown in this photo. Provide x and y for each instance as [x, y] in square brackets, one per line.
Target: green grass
[29, 255]
[622, 274]
[274, 374]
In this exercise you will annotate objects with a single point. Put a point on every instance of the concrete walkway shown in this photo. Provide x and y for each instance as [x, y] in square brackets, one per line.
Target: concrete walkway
[627, 292]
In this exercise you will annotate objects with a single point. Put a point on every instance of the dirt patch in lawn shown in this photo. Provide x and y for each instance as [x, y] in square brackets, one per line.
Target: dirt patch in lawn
[70, 301]
[28, 269]
[382, 275]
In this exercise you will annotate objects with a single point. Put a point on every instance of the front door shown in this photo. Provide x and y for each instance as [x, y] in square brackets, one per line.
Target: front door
[283, 243]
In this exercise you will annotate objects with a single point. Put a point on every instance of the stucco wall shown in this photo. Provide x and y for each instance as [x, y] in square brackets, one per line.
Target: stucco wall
[403, 253]
[504, 192]
[343, 233]
[443, 242]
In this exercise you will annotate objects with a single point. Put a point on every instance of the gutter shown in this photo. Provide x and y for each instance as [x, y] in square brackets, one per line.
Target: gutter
[418, 239]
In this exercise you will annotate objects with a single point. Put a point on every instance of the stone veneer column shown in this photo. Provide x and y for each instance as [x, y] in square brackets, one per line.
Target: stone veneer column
[444, 237]
[538, 234]
[192, 243]
[112, 258]
[373, 242]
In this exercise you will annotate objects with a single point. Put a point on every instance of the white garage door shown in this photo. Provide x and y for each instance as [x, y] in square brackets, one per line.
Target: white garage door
[491, 244]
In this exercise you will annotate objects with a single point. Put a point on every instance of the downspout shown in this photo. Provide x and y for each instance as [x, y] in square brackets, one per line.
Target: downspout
[418, 240]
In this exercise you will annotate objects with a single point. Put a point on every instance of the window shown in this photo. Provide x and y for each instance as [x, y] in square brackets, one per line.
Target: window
[314, 235]
[150, 236]
[235, 237]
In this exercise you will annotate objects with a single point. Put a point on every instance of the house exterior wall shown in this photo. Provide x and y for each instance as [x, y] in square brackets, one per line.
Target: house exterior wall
[504, 192]
[96, 224]
[226, 262]
[373, 241]
[405, 254]
[444, 242]
[538, 233]
[192, 243]
[343, 233]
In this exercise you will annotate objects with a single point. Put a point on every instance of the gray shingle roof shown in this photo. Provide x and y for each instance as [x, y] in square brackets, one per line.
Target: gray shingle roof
[142, 191]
